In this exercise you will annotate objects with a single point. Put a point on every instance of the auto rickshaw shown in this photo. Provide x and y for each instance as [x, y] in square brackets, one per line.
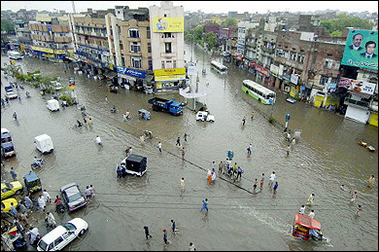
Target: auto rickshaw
[306, 227]
[144, 114]
[32, 182]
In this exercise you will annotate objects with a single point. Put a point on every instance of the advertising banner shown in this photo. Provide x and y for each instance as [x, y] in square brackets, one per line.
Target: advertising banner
[170, 71]
[330, 87]
[274, 69]
[168, 24]
[131, 72]
[357, 86]
[361, 49]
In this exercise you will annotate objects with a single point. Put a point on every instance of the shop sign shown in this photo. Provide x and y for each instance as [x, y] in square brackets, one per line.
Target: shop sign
[170, 72]
[262, 70]
[168, 24]
[41, 49]
[330, 87]
[274, 69]
[251, 63]
[127, 77]
[294, 78]
[286, 76]
[357, 86]
[131, 72]
[170, 78]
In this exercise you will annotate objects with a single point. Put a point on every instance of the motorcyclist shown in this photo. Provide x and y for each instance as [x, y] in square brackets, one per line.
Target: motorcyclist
[37, 161]
[58, 203]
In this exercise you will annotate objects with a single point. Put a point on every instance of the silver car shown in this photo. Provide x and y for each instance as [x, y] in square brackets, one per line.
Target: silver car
[73, 197]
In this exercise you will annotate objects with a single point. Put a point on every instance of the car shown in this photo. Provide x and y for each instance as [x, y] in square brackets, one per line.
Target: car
[73, 197]
[11, 95]
[57, 86]
[62, 235]
[204, 116]
[6, 204]
[9, 189]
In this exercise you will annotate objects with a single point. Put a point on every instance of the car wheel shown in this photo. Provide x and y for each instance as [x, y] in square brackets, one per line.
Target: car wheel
[81, 232]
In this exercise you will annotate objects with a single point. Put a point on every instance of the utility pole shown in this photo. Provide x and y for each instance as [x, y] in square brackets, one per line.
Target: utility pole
[204, 72]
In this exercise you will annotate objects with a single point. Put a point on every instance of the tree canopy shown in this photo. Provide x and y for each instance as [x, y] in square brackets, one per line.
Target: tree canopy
[230, 22]
[7, 25]
[342, 21]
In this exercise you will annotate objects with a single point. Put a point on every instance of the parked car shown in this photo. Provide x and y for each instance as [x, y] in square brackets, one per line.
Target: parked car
[6, 204]
[62, 235]
[57, 86]
[204, 116]
[11, 95]
[73, 197]
[9, 189]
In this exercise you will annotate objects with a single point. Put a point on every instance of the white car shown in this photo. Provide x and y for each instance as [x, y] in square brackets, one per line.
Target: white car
[62, 235]
[11, 95]
[204, 116]
[57, 86]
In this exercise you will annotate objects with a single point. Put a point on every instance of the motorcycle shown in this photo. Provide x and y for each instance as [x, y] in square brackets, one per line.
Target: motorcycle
[35, 165]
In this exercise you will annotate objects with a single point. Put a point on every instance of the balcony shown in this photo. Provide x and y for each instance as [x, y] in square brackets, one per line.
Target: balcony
[251, 44]
[169, 55]
[268, 50]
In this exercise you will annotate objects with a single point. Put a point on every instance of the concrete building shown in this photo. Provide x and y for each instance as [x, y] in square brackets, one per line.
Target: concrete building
[51, 37]
[167, 44]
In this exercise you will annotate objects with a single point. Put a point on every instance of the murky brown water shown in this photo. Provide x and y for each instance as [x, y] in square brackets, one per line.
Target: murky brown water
[327, 156]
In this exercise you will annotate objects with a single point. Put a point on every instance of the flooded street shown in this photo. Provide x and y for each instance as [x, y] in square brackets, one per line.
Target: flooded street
[327, 156]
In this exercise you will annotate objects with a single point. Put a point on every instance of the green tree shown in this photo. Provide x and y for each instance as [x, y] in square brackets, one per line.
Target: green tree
[211, 40]
[336, 34]
[198, 32]
[342, 21]
[7, 25]
[230, 22]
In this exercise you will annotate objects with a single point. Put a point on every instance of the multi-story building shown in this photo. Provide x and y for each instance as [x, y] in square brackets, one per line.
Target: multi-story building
[22, 33]
[51, 37]
[167, 44]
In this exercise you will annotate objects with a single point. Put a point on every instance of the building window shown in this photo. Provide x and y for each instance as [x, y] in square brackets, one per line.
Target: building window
[150, 65]
[136, 62]
[163, 65]
[174, 64]
[292, 56]
[133, 33]
[168, 48]
[337, 65]
[135, 47]
[167, 35]
[323, 79]
[121, 45]
[328, 63]
[148, 32]
[149, 47]
[122, 61]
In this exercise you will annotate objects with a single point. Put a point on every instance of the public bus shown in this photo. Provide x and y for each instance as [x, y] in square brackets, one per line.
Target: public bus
[219, 67]
[14, 55]
[258, 92]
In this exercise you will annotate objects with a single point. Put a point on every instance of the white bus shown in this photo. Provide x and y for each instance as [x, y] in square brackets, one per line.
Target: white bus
[14, 55]
[219, 67]
[258, 92]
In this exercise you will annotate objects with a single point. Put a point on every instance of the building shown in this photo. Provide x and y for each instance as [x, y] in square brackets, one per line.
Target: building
[167, 44]
[51, 37]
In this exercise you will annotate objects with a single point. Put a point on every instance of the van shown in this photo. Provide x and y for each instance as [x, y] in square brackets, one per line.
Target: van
[52, 105]
[44, 143]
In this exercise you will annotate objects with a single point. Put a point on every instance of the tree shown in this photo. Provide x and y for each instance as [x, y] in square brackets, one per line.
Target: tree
[7, 25]
[198, 32]
[230, 22]
[211, 40]
[342, 21]
[336, 34]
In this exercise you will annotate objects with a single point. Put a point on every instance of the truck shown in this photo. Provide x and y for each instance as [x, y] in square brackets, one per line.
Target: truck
[166, 105]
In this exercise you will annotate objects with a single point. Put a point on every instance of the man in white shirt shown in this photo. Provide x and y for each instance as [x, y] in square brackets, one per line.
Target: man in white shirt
[302, 209]
[272, 178]
[312, 214]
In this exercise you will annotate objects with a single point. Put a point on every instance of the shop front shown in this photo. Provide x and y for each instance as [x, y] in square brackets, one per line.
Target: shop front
[167, 80]
[132, 78]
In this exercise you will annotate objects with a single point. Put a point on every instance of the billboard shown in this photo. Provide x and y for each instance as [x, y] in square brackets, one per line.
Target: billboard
[357, 86]
[168, 24]
[361, 49]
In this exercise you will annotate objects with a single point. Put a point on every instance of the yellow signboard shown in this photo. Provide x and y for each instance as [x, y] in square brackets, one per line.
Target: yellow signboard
[169, 72]
[41, 49]
[168, 24]
[169, 78]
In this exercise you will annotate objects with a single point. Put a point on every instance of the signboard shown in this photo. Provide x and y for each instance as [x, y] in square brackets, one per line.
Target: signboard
[170, 71]
[357, 86]
[41, 49]
[274, 69]
[71, 83]
[260, 69]
[286, 76]
[361, 49]
[131, 72]
[168, 24]
[330, 87]
[294, 78]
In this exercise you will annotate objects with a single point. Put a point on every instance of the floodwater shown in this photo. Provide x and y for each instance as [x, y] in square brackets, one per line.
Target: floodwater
[327, 156]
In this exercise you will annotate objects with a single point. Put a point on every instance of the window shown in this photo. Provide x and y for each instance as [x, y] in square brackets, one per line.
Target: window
[136, 62]
[167, 35]
[328, 63]
[168, 48]
[148, 32]
[133, 33]
[292, 56]
[135, 47]
[150, 65]
[121, 45]
[337, 65]
[149, 47]
[58, 241]
[123, 61]
[163, 65]
[174, 64]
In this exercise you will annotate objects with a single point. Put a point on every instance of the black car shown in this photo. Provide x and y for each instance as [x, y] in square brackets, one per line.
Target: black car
[73, 197]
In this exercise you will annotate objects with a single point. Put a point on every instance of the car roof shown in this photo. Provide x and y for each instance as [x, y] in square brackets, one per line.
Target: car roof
[53, 234]
[31, 177]
[7, 144]
[70, 188]
[4, 130]
[135, 158]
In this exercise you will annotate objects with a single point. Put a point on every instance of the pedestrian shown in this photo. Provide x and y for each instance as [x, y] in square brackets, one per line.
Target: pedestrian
[276, 187]
[106, 99]
[92, 188]
[177, 141]
[255, 185]
[182, 184]
[343, 188]
[13, 210]
[2, 102]
[249, 149]
[28, 202]
[272, 178]
[13, 173]
[288, 150]
[165, 236]
[262, 180]
[34, 233]
[310, 199]
[192, 247]
[252, 115]
[87, 193]
[80, 124]
[23, 217]
[20, 229]
[46, 196]
[148, 235]
[41, 202]
[311, 214]
[371, 181]
[359, 209]
[98, 140]
[239, 172]
[185, 137]
[173, 225]
[220, 166]
[213, 176]
[302, 209]
[205, 205]
[183, 152]
[14, 115]
[160, 147]
[214, 166]
[243, 121]
[50, 220]
[129, 150]
[89, 120]
[354, 196]
[209, 176]
[22, 207]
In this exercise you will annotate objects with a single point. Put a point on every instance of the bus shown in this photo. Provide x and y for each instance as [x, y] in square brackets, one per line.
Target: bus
[258, 92]
[219, 67]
